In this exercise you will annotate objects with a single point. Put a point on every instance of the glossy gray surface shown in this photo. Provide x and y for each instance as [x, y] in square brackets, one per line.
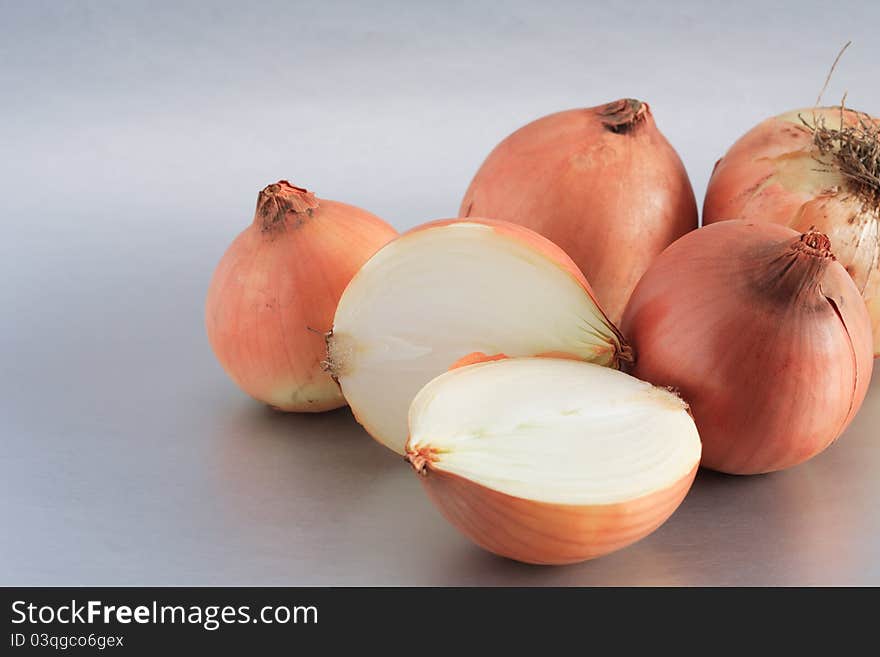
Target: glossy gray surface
[134, 140]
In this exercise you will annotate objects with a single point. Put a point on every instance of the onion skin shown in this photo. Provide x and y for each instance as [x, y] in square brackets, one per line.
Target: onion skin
[275, 291]
[548, 534]
[772, 174]
[602, 183]
[762, 333]
[476, 357]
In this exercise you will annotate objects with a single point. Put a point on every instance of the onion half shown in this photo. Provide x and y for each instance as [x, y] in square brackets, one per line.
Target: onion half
[551, 461]
[810, 169]
[448, 289]
[764, 335]
[275, 290]
[602, 183]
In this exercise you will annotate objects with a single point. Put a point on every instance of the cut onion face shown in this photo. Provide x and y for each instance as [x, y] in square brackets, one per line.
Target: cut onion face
[446, 290]
[551, 461]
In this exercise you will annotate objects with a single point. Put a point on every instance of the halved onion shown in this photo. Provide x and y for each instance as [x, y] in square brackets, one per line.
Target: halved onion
[551, 461]
[448, 289]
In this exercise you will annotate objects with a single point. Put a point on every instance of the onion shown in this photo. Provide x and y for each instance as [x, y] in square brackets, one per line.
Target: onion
[445, 290]
[602, 183]
[812, 169]
[764, 335]
[275, 291]
[551, 461]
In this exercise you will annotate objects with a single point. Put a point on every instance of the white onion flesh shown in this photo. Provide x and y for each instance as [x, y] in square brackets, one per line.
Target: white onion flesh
[554, 431]
[444, 291]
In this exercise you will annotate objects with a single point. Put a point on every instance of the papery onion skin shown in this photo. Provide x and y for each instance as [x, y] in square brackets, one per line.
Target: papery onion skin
[476, 357]
[537, 532]
[762, 333]
[776, 173]
[276, 288]
[603, 183]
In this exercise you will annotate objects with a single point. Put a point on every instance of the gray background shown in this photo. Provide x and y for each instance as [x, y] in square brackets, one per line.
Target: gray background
[134, 138]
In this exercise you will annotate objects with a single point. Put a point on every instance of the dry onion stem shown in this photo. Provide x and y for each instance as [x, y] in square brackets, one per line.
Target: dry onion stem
[855, 149]
[815, 168]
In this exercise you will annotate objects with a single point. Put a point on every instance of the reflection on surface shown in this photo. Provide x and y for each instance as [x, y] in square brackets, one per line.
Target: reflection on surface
[267, 456]
[329, 495]
[217, 489]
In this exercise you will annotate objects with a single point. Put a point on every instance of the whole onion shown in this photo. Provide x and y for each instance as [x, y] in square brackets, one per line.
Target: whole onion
[811, 169]
[602, 183]
[275, 290]
[764, 335]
